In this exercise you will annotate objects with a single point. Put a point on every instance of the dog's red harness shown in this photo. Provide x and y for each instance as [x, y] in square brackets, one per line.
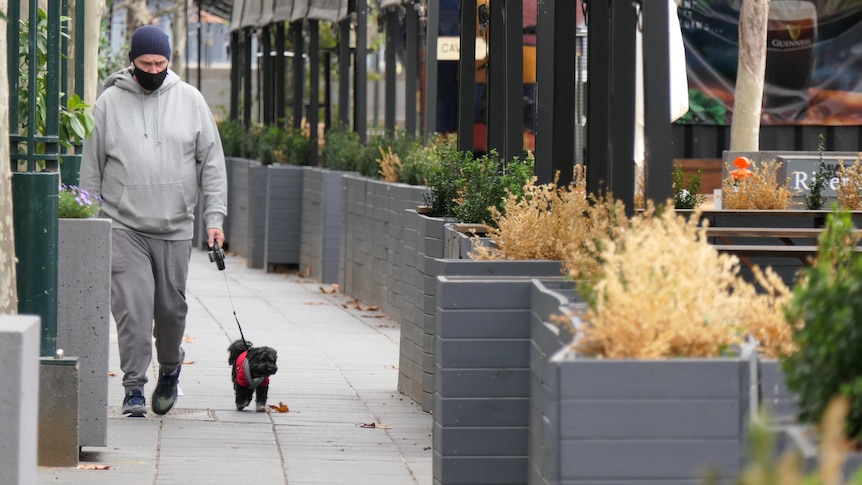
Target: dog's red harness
[243, 374]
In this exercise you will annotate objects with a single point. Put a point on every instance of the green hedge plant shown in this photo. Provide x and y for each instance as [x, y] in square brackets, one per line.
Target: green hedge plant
[826, 311]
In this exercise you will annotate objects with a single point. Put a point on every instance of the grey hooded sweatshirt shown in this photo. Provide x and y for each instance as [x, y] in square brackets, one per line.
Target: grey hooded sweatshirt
[150, 154]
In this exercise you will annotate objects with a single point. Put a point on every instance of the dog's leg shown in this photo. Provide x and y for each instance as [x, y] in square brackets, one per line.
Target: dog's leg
[260, 398]
[243, 396]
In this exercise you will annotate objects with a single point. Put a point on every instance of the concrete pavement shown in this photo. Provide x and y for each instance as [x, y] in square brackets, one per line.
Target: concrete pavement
[338, 372]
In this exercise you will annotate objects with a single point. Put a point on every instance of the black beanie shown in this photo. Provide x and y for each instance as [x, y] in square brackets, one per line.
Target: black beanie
[149, 40]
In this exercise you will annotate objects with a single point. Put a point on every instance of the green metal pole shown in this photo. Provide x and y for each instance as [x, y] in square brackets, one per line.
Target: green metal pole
[35, 202]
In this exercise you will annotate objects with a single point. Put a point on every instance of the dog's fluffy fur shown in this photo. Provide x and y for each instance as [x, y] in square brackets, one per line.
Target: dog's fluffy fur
[250, 370]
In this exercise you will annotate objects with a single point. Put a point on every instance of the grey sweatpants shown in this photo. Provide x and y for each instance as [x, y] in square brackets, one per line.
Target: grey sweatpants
[148, 284]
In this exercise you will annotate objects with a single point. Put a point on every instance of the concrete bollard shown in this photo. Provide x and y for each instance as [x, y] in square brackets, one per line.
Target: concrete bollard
[58, 411]
[19, 398]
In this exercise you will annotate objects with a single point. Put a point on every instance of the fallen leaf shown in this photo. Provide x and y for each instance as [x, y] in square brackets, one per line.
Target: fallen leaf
[112, 374]
[281, 408]
[378, 316]
[93, 466]
[374, 425]
[188, 339]
[314, 303]
[331, 289]
[384, 325]
[189, 362]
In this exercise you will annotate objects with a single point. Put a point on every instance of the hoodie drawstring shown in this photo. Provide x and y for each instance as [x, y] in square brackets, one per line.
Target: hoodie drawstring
[158, 111]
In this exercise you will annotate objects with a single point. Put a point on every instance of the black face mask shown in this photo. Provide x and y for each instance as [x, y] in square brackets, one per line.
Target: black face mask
[149, 81]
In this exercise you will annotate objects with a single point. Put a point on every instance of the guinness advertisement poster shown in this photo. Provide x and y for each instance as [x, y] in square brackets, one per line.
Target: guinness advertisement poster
[813, 61]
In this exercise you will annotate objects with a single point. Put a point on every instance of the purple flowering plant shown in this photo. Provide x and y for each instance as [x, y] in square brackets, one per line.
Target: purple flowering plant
[77, 203]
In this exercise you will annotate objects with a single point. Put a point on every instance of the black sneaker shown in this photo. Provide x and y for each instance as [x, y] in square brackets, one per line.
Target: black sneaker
[165, 394]
[135, 404]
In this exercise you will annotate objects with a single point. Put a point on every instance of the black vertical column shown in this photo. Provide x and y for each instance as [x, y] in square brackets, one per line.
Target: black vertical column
[235, 73]
[298, 73]
[467, 72]
[514, 141]
[621, 130]
[658, 162]
[432, 31]
[496, 78]
[280, 71]
[411, 67]
[598, 149]
[327, 91]
[391, 18]
[267, 94]
[247, 60]
[555, 107]
[314, 87]
[360, 90]
[610, 109]
[344, 72]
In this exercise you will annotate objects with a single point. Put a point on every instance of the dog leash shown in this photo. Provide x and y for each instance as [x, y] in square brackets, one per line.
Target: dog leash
[217, 257]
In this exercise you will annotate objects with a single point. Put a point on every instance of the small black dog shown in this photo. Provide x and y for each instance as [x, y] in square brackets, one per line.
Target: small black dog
[250, 370]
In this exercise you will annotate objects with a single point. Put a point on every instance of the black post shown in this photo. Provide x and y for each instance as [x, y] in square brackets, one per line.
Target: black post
[267, 100]
[497, 79]
[298, 73]
[391, 71]
[344, 72]
[247, 59]
[314, 88]
[280, 72]
[622, 181]
[658, 160]
[360, 91]
[327, 91]
[411, 68]
[514, 141]
[598, 152]
[555, 107]
[235, 73]
[432, 31]
[467, 81]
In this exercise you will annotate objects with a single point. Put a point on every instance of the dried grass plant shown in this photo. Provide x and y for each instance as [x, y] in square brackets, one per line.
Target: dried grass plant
[553, 223]
[849, 191]
[390, 165]
[756, 189]
[663, 291]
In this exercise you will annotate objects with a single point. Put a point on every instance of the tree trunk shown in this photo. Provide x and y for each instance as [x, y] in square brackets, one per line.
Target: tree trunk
[137, 15]
[8, 282]
[179, 30]
[745, 127]
[93, 11]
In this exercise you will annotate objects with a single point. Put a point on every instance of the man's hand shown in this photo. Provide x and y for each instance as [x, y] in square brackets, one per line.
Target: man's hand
[215, 235]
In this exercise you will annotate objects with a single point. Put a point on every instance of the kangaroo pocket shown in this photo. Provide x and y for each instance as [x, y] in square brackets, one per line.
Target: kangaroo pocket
[153, 208]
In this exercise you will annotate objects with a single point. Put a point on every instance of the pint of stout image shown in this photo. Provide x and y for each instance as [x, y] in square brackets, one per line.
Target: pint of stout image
[790, 38]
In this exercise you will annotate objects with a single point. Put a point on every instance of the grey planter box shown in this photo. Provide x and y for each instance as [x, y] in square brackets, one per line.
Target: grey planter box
[282, 226]
[373, 221]
[256, 216]
[84, 316]
[320, 242]
[482, 356]
[631, 421]
[236, 225]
